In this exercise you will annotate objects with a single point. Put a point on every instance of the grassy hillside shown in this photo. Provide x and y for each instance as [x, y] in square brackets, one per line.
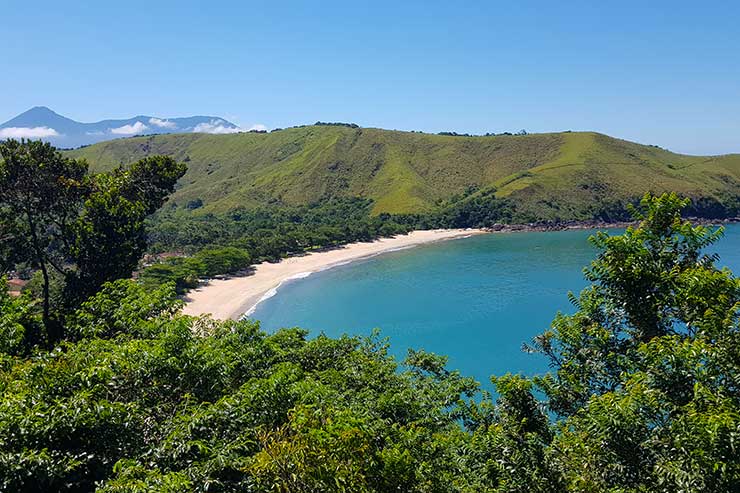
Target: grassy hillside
[557, 176]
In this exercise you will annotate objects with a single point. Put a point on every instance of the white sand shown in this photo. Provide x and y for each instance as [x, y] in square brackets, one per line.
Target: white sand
[233, 297]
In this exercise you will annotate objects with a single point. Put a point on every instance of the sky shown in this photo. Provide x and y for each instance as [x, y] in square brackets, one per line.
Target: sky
[662, 73]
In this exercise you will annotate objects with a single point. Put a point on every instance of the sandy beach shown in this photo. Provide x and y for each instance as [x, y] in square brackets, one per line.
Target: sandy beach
[239, 295]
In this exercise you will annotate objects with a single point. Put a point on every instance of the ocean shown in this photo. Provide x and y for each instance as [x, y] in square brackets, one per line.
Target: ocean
[475, 300]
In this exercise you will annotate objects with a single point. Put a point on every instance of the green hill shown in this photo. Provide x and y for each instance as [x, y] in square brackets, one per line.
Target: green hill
[556, 176]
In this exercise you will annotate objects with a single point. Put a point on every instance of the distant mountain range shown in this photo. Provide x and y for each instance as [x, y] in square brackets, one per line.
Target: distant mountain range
[42, 123]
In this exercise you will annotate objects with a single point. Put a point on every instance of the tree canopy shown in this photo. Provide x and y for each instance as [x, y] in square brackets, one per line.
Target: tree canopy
[81, 229]
[643, 393]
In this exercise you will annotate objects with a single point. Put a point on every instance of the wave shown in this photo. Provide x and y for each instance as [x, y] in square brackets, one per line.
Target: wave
[272, 292]
[397, 249]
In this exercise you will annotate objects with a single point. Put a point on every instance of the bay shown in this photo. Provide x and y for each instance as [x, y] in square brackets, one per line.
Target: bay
[476, 300]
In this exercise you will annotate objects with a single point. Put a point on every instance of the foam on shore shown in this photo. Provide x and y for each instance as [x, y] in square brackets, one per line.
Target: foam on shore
[272, 292]
[239, 296]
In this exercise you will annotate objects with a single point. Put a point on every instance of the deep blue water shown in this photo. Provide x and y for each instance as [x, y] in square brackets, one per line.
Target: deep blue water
[475, 300]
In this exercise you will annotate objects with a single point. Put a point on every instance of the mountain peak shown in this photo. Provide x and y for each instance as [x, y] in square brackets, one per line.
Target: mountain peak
[41, 112]
[42, 108]
[41, 116]
[41, 122]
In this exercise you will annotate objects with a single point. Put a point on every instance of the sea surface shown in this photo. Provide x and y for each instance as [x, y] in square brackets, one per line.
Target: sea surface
[476, 300]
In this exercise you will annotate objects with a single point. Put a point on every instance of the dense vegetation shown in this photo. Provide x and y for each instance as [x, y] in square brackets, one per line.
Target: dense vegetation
[545, 177]
[76, 230]
[187, 271]
[643, 392]
[226, 243]
[269, 233]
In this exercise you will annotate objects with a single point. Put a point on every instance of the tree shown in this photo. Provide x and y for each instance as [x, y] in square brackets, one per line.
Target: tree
[226, 260]
[651, 281]
[41, 193]
[88, 228]
[18, 323]
[110, 234]
[646, 371]
[142, 398]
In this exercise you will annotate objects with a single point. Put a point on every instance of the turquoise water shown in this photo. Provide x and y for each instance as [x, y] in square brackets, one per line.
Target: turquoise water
[475, 300]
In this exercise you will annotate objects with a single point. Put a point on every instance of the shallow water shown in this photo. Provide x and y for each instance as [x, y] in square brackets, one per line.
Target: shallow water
[475, 300]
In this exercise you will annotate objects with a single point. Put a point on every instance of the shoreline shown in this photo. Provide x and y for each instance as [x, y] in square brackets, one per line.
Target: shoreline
[238, 296]
[594, 224]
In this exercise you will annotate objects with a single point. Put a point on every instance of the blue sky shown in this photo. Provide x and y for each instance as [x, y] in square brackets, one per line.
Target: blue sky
[665, 73]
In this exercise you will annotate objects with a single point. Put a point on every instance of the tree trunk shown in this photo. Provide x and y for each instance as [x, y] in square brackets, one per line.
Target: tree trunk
[52, 332]
[46, 296]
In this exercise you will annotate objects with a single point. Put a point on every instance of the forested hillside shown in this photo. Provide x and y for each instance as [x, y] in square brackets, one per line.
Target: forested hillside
[544, 177]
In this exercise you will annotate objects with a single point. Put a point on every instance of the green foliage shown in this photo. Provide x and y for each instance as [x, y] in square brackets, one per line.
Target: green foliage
[322, 450]
[40, 196]
[110, 236]
[663, 256]
[271, 232]
[509, 445]
[140, 398]
[122, 306]
[77, 229]
[133, 478]
[646, 370]
[185, 272]
[17, 319]
[479, 210]
[545, 177]
[225, 260]
[147, 400]
[227, 243]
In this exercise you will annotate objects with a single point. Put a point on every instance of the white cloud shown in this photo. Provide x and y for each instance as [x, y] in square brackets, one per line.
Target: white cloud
[158, 122]
[216, 127]
[222, 127]
[27, 132]
[136, 128]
